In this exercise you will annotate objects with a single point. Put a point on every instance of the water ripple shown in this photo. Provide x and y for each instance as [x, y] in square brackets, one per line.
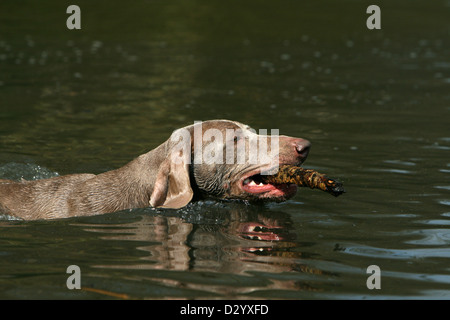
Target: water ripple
[391, 170]
[432, 236]
[384, 253]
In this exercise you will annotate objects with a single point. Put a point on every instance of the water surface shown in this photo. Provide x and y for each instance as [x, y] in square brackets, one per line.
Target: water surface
[374, 104]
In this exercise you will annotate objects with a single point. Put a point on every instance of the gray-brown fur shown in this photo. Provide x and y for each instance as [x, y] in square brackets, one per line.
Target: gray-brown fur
[149, 180]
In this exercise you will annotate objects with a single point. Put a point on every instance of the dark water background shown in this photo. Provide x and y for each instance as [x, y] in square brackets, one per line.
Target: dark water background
[374, 103]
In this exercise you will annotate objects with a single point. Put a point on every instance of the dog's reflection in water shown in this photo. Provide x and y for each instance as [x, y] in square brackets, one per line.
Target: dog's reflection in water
[227, 238]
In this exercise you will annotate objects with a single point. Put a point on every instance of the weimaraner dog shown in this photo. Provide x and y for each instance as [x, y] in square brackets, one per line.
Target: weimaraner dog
[189, 166]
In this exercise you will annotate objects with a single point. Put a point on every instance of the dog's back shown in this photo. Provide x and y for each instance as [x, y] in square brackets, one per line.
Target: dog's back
[31, 199]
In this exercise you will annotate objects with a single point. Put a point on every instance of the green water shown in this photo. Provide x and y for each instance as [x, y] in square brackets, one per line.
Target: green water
[374, 103]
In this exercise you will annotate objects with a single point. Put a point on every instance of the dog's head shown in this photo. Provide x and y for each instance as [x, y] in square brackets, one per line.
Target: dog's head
[224, 159]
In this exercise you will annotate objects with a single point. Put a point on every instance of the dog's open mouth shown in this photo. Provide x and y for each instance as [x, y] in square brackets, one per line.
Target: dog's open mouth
[283, 183]
[257, 186]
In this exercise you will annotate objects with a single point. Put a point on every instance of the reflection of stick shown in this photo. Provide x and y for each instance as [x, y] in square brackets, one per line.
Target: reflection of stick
[305, 178]
[107, 293]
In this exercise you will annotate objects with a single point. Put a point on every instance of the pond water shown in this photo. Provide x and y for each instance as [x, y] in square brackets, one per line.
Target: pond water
[374, 103]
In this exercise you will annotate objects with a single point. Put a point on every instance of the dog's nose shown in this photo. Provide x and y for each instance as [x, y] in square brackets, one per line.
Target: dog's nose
[302, 147]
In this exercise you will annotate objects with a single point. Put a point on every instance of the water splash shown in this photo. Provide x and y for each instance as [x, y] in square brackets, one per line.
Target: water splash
[27, 171]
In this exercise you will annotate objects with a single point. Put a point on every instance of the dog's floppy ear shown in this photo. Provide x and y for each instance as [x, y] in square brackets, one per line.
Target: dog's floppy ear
[172, 186]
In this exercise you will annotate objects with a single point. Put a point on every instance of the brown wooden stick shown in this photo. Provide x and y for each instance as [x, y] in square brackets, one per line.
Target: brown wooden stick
[305, 178]
[108, 293]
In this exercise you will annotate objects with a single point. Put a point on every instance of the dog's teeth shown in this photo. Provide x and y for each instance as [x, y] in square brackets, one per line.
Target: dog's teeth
[260, 184]
[252, 183]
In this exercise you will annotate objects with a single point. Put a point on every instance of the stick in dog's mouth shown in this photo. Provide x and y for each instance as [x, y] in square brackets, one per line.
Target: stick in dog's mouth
[305, 178]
